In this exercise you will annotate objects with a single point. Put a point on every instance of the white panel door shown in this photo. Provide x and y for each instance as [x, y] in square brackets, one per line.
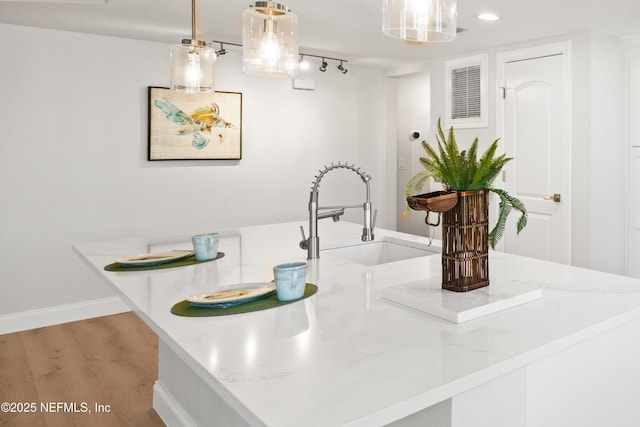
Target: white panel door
[534, 124]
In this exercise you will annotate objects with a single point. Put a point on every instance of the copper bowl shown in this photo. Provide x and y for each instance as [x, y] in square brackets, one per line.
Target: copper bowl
[436, 201]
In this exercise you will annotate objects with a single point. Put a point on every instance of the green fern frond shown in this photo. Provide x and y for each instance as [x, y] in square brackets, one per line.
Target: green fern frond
[416, 184]
[464, 168]
[472, 162]
[520, 207]
[473, 151]
[494, 170]
[498, 230]
[433, 162]
[440, 132]
[454, 155]
[413, 187]
[484, 167]
[449, 171]
[507, 203]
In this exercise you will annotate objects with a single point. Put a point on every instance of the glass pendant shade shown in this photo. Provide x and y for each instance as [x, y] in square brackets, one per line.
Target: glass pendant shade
[193, 61]
[193, 67]
[420, 20]
[269, 40]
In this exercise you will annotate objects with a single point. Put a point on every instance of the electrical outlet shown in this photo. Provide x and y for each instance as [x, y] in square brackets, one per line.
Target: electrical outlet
[402, 164]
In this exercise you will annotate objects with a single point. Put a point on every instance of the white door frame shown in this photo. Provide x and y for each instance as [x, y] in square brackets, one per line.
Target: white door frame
[502, 59]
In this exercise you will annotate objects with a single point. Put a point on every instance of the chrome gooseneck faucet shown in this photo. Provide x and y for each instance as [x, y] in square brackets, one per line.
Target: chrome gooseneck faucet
[312, 244]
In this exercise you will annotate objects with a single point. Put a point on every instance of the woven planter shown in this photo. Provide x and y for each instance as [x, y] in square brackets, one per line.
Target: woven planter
[465, 243]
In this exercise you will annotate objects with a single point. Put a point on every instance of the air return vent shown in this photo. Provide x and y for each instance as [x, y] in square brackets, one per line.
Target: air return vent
[465, 92]
[466, 98]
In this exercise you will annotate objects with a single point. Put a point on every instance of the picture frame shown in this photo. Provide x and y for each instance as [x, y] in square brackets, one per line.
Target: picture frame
[185, 126]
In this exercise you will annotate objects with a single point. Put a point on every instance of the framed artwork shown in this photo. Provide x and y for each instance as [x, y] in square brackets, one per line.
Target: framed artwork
[186, 126]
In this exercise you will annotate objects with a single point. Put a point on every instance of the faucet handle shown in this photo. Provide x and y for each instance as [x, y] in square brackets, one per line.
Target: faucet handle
[304, 243]
[373, 221]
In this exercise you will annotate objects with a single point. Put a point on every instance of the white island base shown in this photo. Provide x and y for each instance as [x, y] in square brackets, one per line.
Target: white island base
[348, 357]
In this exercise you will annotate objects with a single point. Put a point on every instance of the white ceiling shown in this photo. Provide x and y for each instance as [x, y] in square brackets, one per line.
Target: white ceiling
[348, 29]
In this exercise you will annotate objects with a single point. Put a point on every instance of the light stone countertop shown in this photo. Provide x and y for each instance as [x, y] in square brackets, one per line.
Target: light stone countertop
[345, 355]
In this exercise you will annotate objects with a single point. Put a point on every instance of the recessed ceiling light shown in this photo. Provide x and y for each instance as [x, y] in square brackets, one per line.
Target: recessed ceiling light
[487, 16]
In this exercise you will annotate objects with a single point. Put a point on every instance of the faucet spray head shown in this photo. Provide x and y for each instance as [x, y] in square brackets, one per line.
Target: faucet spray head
[364, 176]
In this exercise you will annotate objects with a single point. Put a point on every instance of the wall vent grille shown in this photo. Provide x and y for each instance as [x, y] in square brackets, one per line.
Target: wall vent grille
[466, 93]
[466, 99]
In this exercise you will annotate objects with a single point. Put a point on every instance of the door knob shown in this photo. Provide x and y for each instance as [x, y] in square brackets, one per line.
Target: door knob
[555, 197]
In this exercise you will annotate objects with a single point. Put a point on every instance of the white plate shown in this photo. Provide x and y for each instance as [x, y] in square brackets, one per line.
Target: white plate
[153, 259]
[235, 293]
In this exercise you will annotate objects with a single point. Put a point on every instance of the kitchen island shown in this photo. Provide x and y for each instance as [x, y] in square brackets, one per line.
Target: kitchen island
[348, 356]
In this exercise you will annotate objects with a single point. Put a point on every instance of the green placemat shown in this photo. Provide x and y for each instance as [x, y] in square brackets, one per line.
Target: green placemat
[190, 260]
[184, 308]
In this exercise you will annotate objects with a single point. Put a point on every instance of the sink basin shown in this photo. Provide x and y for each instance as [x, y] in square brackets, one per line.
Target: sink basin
[380, 251]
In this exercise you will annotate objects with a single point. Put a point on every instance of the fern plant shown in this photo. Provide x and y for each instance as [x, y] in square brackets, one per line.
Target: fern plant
[463, 171]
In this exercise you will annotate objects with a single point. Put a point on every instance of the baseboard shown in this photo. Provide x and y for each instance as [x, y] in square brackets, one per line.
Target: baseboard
[168, 409]
[26, 320]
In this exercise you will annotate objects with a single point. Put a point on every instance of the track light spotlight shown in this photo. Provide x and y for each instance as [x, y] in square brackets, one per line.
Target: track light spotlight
[323, 67]
[222, 50]
[342, 69]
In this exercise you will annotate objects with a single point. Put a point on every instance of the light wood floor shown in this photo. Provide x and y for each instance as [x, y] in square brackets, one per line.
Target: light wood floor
[110, 360]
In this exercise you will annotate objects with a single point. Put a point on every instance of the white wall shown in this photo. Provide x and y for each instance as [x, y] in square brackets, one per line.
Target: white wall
[73, 149]
[413, 104]
[609, 150]
[598, 141]
[581, 157]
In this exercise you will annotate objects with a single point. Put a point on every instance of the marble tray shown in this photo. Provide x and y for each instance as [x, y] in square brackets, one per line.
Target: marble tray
[428, 296]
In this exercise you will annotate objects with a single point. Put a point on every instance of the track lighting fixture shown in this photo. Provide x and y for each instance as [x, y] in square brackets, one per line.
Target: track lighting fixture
[323, 67]
[301, 65]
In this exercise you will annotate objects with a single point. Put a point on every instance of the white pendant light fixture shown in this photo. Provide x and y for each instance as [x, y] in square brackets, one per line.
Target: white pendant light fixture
[420, 20]
[193, 61]
[269, 40]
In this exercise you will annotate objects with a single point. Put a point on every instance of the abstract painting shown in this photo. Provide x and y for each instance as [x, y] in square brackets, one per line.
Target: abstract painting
[186, 126]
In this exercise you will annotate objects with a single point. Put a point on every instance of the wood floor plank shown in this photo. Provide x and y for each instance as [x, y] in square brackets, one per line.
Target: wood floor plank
[100, 370]
[16, 383]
